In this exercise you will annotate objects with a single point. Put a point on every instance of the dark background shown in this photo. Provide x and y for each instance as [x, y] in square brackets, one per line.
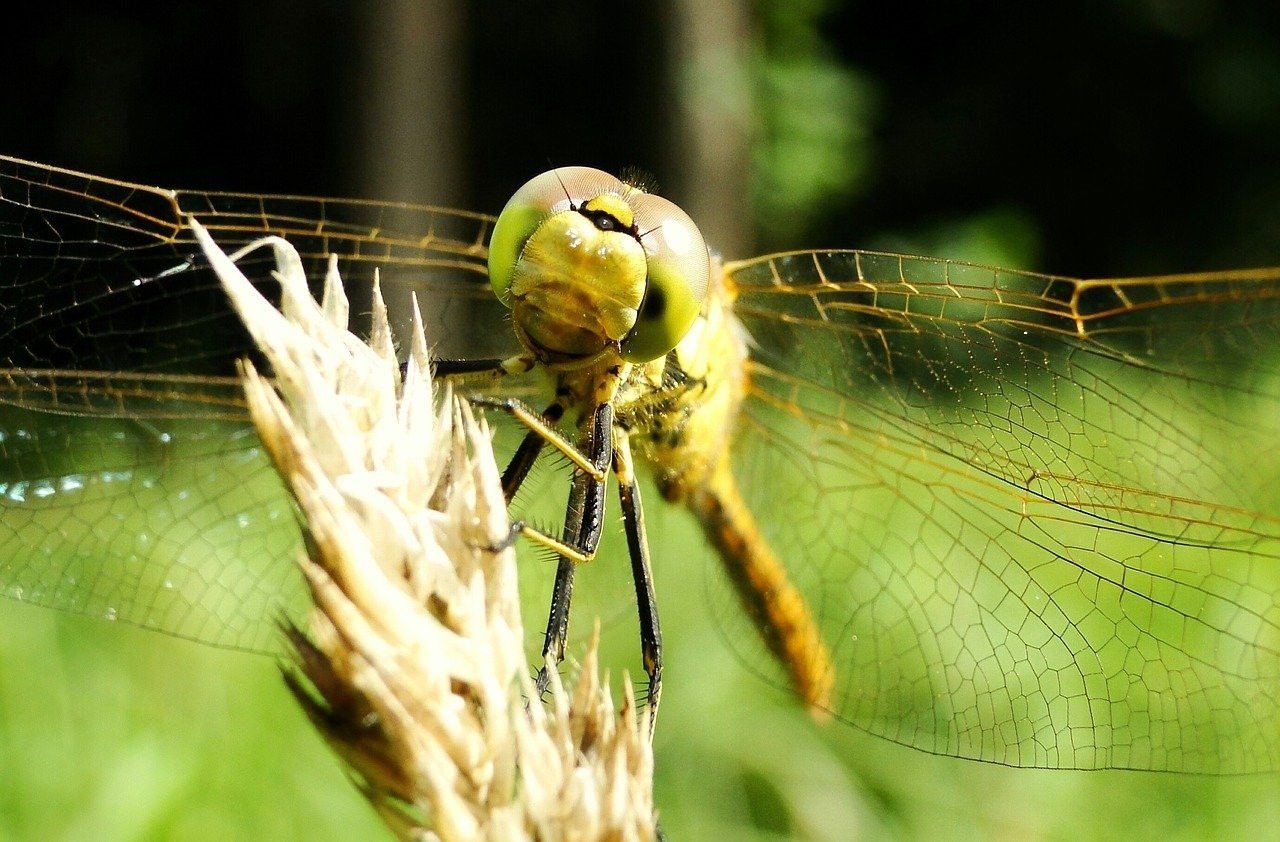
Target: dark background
[1091, 139]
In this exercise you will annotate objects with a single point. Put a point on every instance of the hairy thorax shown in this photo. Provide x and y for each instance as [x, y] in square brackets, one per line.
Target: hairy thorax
[679, 409]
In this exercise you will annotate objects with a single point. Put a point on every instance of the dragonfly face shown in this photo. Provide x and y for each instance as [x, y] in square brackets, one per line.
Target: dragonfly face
[592, 265]
[1033, 517]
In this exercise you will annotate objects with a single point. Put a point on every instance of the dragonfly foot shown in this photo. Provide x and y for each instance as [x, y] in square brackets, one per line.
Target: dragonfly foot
[508, 541]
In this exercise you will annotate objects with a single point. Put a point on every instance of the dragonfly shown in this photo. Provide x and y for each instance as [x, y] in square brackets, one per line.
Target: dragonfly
[1018, 518]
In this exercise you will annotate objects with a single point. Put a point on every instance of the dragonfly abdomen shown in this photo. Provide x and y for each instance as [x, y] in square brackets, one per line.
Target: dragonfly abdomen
[774, 603]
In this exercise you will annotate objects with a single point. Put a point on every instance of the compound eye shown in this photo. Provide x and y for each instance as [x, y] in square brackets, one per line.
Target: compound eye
[679, 269]
[542, 196]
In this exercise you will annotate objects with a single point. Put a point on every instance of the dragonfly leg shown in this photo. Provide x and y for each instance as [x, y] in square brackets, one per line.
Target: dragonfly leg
[521, 463]
[467, 369]
[557, 632]
[536, 423]
[584, 516]
[641, 572]
[519, 466]
[583, 525]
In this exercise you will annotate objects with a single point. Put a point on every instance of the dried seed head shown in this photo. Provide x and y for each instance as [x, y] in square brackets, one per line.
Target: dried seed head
[414, 669]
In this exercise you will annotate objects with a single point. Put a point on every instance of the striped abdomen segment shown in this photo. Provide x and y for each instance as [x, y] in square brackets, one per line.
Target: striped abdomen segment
[775, 605]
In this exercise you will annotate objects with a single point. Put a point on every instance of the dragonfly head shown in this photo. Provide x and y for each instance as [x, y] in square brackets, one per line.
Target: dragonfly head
[591, 265]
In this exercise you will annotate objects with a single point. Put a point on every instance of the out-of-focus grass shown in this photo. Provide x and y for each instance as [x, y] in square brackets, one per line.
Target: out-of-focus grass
[110, 732]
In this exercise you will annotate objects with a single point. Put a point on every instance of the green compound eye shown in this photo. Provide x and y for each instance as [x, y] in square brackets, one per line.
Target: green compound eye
[679, 268]
[515, 225]
[530, 262]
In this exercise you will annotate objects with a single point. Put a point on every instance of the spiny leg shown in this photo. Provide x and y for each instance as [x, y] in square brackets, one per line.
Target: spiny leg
[592, 457]
[583, 525]
[641, 572]
[513, 477]
[536, 423]
[541, 427]
[584, 515]
[521, 463]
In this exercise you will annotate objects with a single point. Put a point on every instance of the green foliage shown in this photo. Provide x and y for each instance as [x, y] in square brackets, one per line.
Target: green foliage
[812, 146]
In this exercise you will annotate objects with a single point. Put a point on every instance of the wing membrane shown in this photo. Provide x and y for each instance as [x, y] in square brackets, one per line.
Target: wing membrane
[1035, 514]
[132, 485]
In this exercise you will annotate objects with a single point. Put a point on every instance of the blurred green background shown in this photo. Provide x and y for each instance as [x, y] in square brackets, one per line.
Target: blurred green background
[1092, 139]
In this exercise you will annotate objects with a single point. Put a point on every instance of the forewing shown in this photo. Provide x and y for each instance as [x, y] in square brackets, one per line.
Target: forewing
[1037, 517]
[132, 485]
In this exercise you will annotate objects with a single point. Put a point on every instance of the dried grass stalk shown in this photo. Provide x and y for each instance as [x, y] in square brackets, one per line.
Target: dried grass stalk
[414, 669]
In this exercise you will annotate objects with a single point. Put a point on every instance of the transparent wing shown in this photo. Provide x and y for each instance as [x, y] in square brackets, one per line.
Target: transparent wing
[1038, 517]
[131, 484]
